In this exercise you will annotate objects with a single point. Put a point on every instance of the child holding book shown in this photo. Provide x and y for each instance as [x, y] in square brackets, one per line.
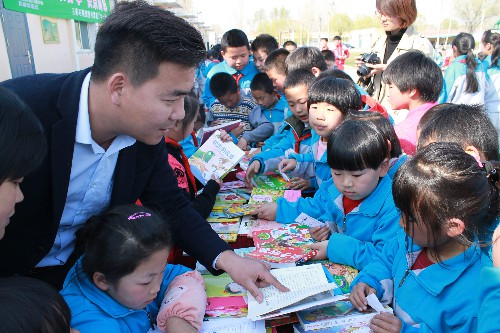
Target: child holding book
[123, 282]
[329, 101]
[204, 202]
[357, 200]
[447, 200]
[414, 82]
[295, 131]
[230, 105]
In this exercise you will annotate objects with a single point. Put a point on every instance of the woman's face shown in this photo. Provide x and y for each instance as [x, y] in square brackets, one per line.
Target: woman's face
[389, 23]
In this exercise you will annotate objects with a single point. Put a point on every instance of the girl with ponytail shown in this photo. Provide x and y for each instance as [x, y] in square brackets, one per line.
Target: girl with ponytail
[490, 46]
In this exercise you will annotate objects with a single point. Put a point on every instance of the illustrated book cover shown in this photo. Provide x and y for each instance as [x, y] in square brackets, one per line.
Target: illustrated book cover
[208, 131]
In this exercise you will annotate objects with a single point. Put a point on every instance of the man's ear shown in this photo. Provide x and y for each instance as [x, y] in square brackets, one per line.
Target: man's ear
[455, 227]
[316, 71]
[100, 281]
[116, 84]
[474, 152]
[384, 167]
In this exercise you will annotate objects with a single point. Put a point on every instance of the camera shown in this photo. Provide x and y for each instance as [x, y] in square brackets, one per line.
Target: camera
[368, 58]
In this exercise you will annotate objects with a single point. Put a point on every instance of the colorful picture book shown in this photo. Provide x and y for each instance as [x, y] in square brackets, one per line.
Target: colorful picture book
[272, 181]
[230, 197]
[226, 186]
[239, 210]
[229, 238]
[225, 227]
[208, 131]
[264, 195]
[225, 298]
[285, 246]
[354, 328]
[214, 158]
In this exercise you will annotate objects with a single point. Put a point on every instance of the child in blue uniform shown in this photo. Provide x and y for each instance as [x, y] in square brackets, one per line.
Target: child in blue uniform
[357, 200]
[429, 271]
[118, 285]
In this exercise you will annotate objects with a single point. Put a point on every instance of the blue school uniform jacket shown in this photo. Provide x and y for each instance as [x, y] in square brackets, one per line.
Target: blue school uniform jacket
[297, 138]
[356, 237]
[489, 294]
[439, 298]
[276, 114]
[94, 311]
[248, 72]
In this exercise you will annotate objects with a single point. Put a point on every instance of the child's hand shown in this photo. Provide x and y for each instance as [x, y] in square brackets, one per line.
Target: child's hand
[358, 295]
[297, 183]
[267, 211]
[238, 130]
[216, 179]
[252, 170]
[321, 248]
[496, 247]
[385, 322]
[320, 233]
[242, 144]
[288, 164]
[225, 137]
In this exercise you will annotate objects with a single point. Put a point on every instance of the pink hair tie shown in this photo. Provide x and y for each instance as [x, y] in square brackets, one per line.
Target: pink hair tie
[138, 215]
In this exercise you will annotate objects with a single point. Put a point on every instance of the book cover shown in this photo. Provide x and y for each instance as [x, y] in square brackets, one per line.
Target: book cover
[284, 245]
[208, 131]
[229, 197]
[282, 320]
[246, 225]
[232, 325]
[229, 238]
[239, 210]
[343, 275]
[231, 306]
[354, 328]
[261, 224]
[264, 195]
[225, 227]
[272, 181]
[214, 157]
[226, 186]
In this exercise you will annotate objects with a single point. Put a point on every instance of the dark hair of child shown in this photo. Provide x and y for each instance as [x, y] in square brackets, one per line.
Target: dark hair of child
[202, 116]
[442, 182]
[276, 61]
[405, 10]
[299, 77]
[383, 124]
[29, 305]
[334, 72]
[414, 70]
[337, 92]
[325, 39]
[223, 83]
[494, 39]
[234, 38]
[119, 240]
[356, 145]
[462, 124]
[22, 141]
[464, 44]
[289, 42]
[328, 55]
[191, 108]
[266, 42]
[217, 48]
[306, 57]
[262, 82]
[337, 38]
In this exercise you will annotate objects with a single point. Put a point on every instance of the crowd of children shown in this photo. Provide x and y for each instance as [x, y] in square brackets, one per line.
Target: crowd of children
[413, 205]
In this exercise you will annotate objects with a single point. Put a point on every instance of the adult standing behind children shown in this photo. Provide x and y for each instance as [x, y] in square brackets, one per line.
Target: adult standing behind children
[105, 127]
[236, 53]
[396, 17]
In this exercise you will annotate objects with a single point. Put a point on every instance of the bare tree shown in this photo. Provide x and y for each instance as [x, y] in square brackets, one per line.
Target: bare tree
[470, 11]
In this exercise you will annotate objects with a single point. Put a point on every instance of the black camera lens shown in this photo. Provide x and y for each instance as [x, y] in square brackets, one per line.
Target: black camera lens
[363, 70]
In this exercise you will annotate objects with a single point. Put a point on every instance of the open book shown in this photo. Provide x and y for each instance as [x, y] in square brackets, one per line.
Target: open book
[308, 287]
[208, 131]
[214, 157]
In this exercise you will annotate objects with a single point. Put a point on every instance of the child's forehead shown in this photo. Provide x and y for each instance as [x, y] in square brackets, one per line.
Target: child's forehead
[297, 90]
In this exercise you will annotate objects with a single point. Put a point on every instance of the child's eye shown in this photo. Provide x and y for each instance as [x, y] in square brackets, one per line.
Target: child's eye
[145, 283]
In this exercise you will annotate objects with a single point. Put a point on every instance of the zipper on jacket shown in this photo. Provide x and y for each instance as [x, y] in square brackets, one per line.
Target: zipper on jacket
[343, 224]
[404, 277]
[150, 321]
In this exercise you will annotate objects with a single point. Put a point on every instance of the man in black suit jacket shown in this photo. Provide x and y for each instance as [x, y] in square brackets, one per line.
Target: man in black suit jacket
[145, 60]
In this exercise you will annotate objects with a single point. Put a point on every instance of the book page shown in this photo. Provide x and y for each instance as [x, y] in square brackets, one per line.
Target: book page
[303, 281]
[233, 325]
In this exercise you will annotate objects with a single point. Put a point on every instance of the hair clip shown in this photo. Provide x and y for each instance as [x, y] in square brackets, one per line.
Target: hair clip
[491, 172]
[138, 215]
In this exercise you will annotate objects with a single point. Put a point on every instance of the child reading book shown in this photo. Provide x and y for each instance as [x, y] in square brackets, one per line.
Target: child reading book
[357, 200]
[123, 282]
[447, 201]
[329, 101]
[177, 159]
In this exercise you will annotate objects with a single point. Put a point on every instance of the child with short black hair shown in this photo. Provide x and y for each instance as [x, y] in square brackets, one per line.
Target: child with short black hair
[290, 45]
[123, 282]
[356, 202]
[447, 201]
[262, 46]
[414, 83]
[295, 130]
[230, 105]
[236, 53]
[276, 68]
[329, 58]
[306, 57]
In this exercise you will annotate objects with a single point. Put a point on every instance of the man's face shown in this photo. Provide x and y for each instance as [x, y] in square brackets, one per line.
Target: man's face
[236, 57]
[148, 111]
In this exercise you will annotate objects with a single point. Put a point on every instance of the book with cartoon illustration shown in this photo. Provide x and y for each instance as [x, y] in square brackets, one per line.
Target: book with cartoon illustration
[208, 131]
[225, 298]
[270, 180]
[343, 275]
[239, 210]
[214, 158]
[264, 195]
[229, 197]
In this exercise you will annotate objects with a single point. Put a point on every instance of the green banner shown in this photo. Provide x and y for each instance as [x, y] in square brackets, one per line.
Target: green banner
[78, 10]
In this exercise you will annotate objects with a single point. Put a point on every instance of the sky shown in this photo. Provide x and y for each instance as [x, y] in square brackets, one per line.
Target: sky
[227, 13]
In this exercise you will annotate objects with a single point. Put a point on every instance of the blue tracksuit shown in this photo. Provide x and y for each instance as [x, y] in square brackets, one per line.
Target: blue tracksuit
[489, 294]
[356, 237]
[395, 164]
[276, 114]
[188, 145]
[94, 311]
[248, 73]
[439, 298]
